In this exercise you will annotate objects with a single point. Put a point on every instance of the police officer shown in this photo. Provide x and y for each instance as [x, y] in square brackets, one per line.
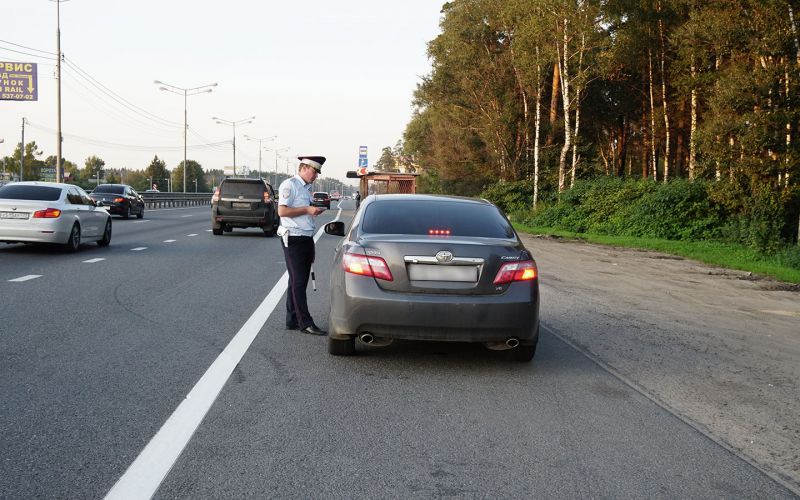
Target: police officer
[297, 232]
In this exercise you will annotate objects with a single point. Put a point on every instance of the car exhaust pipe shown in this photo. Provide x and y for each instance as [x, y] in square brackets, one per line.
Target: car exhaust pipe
[366, 338]
[502, 345]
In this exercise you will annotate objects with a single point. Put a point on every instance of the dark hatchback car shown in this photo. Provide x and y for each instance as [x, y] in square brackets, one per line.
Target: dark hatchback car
[119, 199]
[437, 268]
[321, 199]
[242, 202]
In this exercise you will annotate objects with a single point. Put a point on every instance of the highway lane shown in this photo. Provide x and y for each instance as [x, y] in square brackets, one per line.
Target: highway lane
[135, 332]
[95, 356]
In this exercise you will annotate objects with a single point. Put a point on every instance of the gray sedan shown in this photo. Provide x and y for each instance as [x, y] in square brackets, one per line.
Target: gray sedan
[49, 212]
[439, 268]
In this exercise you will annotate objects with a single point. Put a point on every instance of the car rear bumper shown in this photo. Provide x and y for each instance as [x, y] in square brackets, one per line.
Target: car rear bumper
[243, 218]
[115, 209]
[365, 307]
[43, 232]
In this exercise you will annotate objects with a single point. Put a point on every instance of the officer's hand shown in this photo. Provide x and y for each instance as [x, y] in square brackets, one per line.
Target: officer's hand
[315, 210]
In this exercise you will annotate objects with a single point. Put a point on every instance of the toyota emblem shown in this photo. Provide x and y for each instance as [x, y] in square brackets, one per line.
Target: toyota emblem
[444, 256]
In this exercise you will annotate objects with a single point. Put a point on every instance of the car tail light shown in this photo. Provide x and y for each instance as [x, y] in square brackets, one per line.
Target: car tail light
[119, 200]
[516, 271]
[215, 196]
[50, 213]
[367, 266]
[266, 197]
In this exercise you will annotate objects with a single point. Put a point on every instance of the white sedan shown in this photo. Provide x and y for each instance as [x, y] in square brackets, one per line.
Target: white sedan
[49, 212]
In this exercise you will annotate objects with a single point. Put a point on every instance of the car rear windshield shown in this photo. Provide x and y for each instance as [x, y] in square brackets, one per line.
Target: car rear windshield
[255, 189]
[109, 189]
[321, 195]
[27, 192]
[429, 216]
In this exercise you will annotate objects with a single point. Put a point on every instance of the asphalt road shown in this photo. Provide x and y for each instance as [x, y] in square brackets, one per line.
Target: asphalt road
[96, 356]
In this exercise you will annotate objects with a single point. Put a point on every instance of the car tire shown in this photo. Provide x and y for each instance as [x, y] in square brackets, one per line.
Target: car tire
[268, 231]
[345, 347]
[106, 239]
[227, 229]
[141, 213]
[217, 231]
[523, 353]
[127, 213]
[74, 241]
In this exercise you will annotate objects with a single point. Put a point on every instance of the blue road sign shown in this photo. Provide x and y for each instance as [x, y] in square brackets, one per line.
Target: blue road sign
[18, 81]
[362, 156]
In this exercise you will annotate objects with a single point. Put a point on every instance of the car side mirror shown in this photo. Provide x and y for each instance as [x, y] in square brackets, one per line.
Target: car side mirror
[335, 228]
[98, 203]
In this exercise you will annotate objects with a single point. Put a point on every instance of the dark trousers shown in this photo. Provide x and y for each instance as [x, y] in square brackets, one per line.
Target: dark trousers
[299, 256]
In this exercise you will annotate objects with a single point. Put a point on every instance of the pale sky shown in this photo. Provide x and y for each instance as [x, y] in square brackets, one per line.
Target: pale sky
[325, 77]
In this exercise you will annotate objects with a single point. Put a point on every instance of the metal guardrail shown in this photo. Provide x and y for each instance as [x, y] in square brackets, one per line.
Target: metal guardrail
[164, 200]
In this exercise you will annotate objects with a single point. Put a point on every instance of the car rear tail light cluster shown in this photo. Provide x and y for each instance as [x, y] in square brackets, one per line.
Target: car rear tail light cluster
[266, 197]
[516, 271]
[215, 196]
[50, 213]
[363, 265]
[119, 200]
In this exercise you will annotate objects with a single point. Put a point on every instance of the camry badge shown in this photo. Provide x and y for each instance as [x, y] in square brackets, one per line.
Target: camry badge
[444, 256]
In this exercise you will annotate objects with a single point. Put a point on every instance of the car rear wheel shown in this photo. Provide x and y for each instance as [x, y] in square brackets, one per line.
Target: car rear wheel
[227, 229]
[74, 241]
[217, 230]
[127, 213]
[268, 231]
[342, 347]
[141, 213]
[106, 240]
[523, 353]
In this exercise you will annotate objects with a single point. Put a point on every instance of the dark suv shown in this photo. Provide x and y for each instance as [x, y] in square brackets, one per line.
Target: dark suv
[244, 203]
[321, 199]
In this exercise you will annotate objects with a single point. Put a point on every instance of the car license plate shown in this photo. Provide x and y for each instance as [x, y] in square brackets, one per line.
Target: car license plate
[14, 215]
[426, 272]
[237, 204]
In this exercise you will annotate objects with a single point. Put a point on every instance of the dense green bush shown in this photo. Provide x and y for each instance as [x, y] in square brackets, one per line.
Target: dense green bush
[511, 197]
[730, 211]
[758, 215]
[676, 210]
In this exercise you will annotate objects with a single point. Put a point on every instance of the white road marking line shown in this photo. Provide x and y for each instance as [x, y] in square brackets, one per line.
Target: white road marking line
[190, 215]
[208, 230]
[146, 473]
[138, 249]
[29, 277]
[193, 234]
[170, 241]
[92, 261]
[140, 221]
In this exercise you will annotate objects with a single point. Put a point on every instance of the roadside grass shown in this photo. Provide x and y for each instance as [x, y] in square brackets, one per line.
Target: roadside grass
[711, 252]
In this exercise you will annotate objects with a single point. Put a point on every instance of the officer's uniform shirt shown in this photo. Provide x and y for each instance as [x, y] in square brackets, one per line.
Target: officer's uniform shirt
[293, 193]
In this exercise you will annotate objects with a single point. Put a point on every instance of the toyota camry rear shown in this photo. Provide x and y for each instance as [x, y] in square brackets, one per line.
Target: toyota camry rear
[439, 268]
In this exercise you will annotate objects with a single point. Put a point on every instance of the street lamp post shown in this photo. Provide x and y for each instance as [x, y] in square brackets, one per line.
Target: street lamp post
[233, 124]
[186, 92]
[58, 89]
[281, 150]
[260, 139]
